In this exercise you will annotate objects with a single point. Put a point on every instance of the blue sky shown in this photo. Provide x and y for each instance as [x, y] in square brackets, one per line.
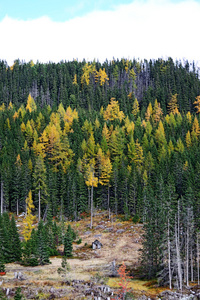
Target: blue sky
[56, 10]
[55, 30]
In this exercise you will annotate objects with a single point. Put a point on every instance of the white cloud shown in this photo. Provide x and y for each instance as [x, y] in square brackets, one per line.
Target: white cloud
[143, 29]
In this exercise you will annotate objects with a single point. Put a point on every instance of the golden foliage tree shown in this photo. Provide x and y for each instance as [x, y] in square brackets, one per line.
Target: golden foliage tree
[87, 69]
[197, 104]
[113, 112]
[173, 105]
[101, 76]
[149, 112]
[136, 108]
[188, 139]
[31, 105]
[29, 219]
[160, 135]
[157, 112]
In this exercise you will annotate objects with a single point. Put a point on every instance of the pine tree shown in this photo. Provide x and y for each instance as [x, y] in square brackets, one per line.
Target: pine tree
[42, 248]
[68, 239]
[15, 241]
[2, 261]
[39, 176]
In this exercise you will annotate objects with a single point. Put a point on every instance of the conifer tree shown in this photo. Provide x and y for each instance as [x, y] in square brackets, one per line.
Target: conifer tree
[29, 219]
[42, 248]
[15, 241]
[39, 176]
[2, 261]
[68, 239]
[173, 105]
[18, 294]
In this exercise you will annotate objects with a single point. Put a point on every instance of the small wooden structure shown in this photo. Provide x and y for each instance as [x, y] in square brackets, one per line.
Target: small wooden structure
[96, 245]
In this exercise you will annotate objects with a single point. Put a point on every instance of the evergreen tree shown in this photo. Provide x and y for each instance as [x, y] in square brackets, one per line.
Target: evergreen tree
[18, 294]
[15, 241]
[68, 239]
[42, 247]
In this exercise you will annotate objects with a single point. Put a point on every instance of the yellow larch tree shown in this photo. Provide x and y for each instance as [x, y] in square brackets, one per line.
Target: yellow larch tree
[21, 112]
[157, 112]
[105, 171]
[188, 139]
[69, 117]
[15, 116]
[31, 105]
[189, 117]
[170, 147]
[96, 123]
[113, 112]
[106, 132]
[149, 112]
[129, 125]
[61, 111]
[179, 146]
[87, 128]
[173, 105]
[29, 218]
[10, 106]
[136, 108]
[195, 127]
[2, 107]
[101, 76]
[160, 135]
[197, 104]
[87, 69]
[75, 79]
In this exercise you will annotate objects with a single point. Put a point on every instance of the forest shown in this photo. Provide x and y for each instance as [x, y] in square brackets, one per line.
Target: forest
[121, 136]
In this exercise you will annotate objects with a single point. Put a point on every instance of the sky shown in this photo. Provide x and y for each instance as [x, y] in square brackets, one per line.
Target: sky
[55, 30]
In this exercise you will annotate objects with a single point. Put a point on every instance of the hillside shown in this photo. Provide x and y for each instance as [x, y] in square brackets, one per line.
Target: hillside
[121, 136]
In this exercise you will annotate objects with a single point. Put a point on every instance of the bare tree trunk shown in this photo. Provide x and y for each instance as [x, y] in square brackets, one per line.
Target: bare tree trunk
[108, 202]
[17, 207]
[91, 206]
[39, 205]
[169, 257]
[198, 257]
[1, 197]
[187, 250]
[88, 198]
[191, 262]
[116, 208]
[178, 255]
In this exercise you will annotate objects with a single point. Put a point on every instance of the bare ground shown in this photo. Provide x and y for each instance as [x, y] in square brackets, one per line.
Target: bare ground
[121, 242]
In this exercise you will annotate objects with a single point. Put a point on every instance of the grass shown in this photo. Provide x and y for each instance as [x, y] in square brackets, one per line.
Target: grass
[148, 287]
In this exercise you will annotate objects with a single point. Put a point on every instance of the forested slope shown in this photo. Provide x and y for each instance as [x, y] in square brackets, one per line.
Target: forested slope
[122, 135]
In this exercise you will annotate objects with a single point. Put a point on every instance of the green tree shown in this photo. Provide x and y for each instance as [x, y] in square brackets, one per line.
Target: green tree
[42, 247]
[39, 176]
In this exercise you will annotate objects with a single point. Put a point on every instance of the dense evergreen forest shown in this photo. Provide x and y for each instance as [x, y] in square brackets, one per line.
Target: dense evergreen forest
[120, 135]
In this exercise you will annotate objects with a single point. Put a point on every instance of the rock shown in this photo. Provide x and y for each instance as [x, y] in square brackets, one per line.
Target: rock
[109, 229]
[100, 227]
[120, 230]
[51, 290]
[87, 233]
[97, 235]
[143, 297]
